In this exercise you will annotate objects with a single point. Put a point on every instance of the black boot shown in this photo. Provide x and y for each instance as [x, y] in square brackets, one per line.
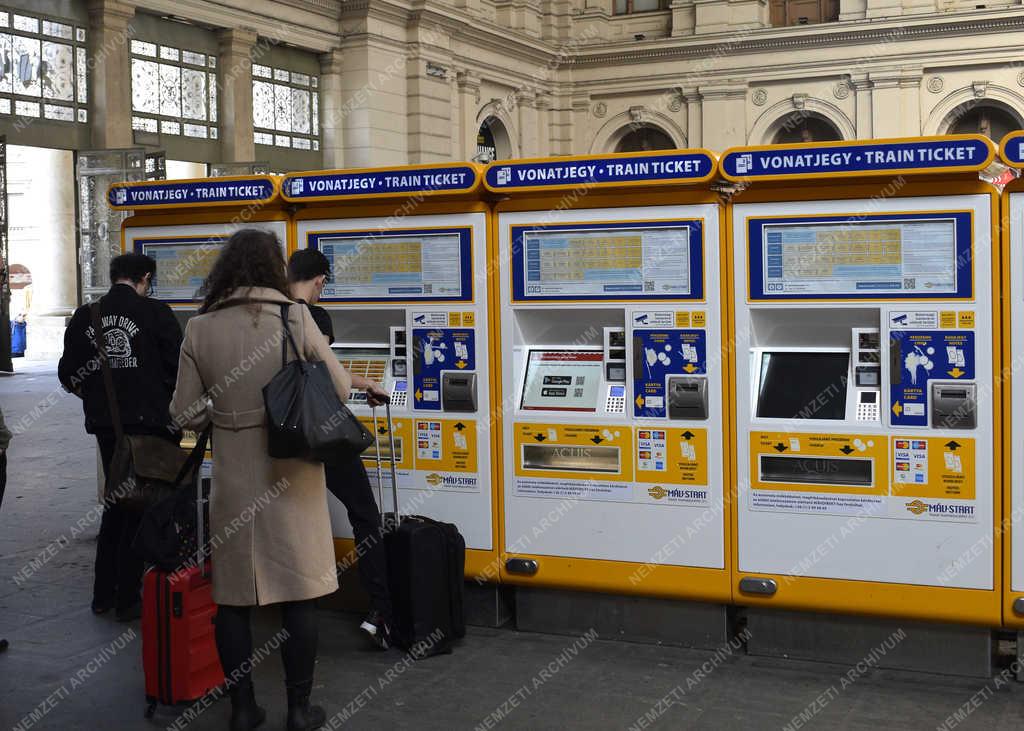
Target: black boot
[245, 714]
[301, 715]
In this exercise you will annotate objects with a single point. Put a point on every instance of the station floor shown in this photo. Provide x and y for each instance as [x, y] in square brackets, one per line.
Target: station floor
[67, 669]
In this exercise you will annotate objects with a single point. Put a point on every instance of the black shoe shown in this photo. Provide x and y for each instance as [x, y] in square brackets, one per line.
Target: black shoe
[99, 607]
[378, 629]
[3, 645]
[129, 614]
[245, 714]
[301, 715]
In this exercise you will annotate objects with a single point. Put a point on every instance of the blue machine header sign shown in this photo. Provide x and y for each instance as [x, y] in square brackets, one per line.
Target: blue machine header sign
[661, 168]
[645, 260]
[923, 356]
[886, 256]
[664, 353]
[185, 193]
[361, 183]
[954, 154]
[1013, 149]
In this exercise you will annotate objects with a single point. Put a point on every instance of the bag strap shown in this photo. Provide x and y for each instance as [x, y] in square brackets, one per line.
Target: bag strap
[99, 342]
[195, 458]
[288, 336]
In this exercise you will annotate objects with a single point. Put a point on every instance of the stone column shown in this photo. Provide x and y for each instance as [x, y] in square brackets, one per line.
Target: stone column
[527, 123]
[694, 119]
[895, 103]
[724, 108]
[852, 9]
[234, 81]
[883, 8]
[332, 110]
[543, 103]
[467, 87]
[683, 17]
[580, 110]
[864, 121]
[110, 94]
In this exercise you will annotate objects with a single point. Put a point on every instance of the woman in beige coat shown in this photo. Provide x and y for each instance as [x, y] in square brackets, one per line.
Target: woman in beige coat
[270, 530]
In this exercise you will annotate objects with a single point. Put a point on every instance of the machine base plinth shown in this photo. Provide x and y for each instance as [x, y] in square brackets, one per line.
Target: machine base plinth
[484, 605]
[625, 618]
[864, 642]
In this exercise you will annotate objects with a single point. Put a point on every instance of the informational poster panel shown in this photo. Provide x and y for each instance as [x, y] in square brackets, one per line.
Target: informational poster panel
[650, 260]
[425, 264]
[829, 257]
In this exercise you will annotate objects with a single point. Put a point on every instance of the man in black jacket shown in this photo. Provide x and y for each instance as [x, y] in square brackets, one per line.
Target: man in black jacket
[308, 270]
[142, 339]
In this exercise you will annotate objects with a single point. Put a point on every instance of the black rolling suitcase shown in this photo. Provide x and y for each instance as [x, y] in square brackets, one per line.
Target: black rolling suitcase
[426, 568]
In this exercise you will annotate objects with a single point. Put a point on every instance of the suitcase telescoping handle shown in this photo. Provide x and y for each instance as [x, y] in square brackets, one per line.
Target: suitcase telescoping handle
[391, 460]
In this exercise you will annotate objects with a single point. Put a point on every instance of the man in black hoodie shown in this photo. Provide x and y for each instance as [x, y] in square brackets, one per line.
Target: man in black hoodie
[142, 339]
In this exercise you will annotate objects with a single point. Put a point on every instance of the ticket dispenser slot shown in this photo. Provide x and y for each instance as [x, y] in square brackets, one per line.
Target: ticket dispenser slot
[458, 392]
[687, 397]
[954, 405]
[817, 470]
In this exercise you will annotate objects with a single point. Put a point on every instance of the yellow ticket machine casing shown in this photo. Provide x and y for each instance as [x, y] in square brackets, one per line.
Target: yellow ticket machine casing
[613, 413]
[1012, 153]
[409, 301]
[867, 349]
[182, 224]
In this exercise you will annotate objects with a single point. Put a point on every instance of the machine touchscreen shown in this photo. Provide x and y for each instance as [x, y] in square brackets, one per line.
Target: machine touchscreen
[805, 385]
[562, 380]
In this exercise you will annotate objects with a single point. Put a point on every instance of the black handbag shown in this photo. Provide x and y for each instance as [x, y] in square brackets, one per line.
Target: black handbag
[305, 417]
[144, 468]
[168, 535]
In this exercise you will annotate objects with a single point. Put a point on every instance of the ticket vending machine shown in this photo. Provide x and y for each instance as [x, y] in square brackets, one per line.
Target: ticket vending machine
[867, 341]
[408, 297]
[182, 224]
[613, 411]
[1012, 153]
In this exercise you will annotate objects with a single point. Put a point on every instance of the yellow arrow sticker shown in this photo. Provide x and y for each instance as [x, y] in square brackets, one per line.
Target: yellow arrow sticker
[640, 401]
[956, 372]
[461, 364]
[689, 367]
[897, 409]
[419, 395]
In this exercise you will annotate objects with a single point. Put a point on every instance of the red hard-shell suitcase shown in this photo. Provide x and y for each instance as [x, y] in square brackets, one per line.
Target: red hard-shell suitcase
[179, 652]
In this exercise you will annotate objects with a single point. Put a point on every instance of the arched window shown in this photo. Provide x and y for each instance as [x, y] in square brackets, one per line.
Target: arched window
[644, 137]
[989, 118]
[492, 141]
[803, 126]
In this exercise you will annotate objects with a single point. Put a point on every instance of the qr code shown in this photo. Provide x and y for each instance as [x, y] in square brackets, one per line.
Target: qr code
[428, 288]
[648, 286]
[580, 380]
[909, 283]
[578, 393]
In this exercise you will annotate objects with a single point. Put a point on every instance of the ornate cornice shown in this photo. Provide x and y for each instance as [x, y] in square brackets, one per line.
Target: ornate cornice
[776, 39]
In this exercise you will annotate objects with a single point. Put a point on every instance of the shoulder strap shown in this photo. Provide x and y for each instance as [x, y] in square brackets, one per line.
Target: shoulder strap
[99, 342]
[288, 336]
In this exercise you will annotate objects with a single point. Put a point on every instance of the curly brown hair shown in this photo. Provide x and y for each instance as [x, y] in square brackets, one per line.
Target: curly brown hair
[251, 257]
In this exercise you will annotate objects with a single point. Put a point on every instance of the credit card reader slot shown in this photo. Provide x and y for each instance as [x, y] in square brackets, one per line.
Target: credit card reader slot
[954, 405]
[458, 392]
[687, 397]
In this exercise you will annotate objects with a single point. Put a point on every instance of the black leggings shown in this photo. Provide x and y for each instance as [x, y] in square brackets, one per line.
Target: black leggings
[298, 642]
